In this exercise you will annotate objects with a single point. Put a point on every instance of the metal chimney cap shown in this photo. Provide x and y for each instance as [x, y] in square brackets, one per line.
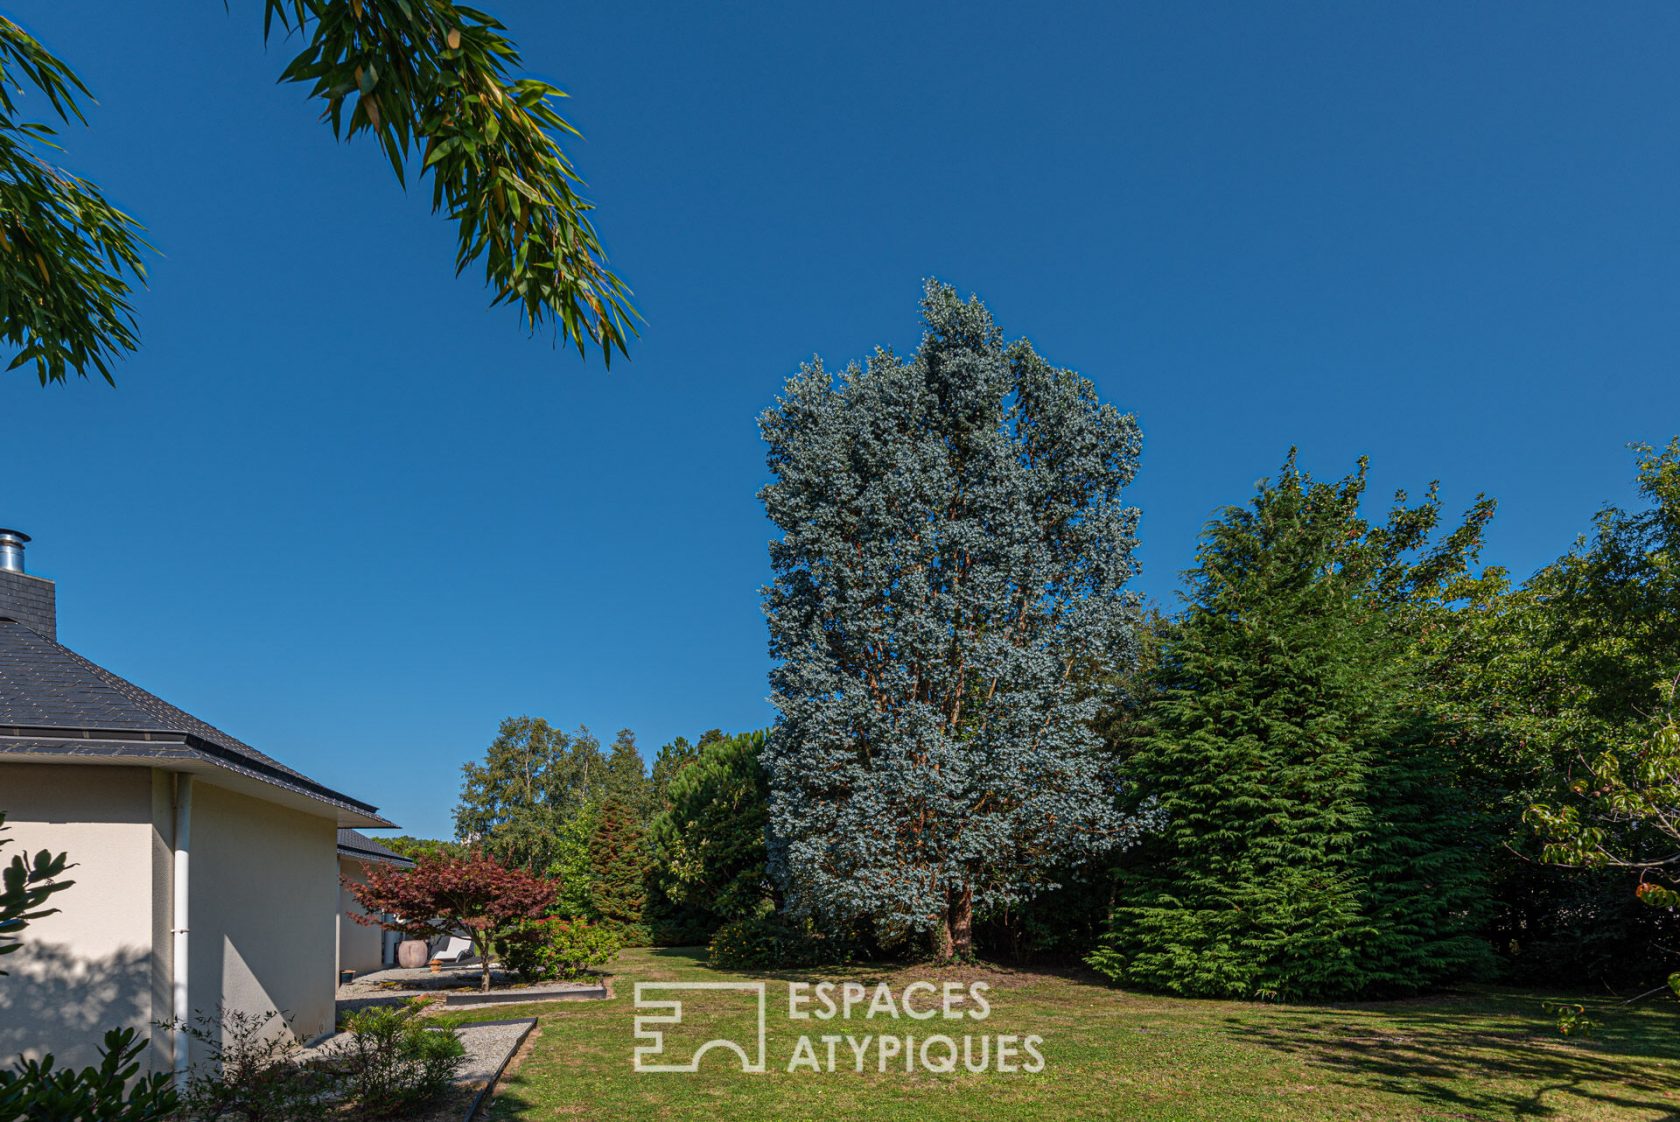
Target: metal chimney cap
[11, 550]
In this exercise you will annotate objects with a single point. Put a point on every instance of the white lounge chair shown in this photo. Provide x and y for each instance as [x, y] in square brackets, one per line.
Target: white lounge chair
[454, 949]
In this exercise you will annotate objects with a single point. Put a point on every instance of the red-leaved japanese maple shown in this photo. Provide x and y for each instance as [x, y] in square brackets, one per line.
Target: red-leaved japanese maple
[446, 895]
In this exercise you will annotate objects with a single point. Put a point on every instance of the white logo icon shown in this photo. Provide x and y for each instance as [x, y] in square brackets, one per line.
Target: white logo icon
[673, 1015]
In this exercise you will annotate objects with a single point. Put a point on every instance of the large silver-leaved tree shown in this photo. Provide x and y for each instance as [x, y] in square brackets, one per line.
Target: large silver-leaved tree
[949, 588]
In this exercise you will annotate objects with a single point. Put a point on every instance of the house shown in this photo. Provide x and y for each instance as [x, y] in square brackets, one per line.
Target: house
[360, 947]
[206, 873]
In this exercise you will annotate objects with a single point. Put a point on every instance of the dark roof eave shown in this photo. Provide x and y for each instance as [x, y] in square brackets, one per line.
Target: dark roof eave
[108, 743]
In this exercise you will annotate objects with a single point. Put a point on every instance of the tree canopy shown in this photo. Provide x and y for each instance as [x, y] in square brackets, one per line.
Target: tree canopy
[1314, 841]
[952, 566]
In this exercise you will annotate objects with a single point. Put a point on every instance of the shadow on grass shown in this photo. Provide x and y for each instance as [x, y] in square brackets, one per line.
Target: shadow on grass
[1471, 1065]
[894, 971]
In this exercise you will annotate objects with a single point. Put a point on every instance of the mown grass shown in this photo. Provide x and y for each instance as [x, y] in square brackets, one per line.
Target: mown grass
[1479, 1055]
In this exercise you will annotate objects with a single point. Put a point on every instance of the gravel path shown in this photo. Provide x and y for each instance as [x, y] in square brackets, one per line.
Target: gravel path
[489, 1045]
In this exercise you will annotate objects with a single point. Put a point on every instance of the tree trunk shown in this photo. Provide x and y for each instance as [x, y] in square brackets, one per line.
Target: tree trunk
[484, 967]
[962, 923]
[954, 937]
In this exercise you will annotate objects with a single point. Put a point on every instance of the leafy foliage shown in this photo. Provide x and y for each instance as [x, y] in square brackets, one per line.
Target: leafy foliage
[952, 565]
[533, 779]
[432, 82]
[570, 865]
[114, 1090]
[250, 1068]
[26, 884]
[561, 948]
[393, 1064]
[709, 854]
[432, 78]
[1549, 682]
[445, 895]
[1315, 842]
[414, 848]
[772, 940]
[68, 258]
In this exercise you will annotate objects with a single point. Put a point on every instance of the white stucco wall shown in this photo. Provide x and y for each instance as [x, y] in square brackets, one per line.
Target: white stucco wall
[264, 908]
[263, 919]
[360, 948]
[91, 967]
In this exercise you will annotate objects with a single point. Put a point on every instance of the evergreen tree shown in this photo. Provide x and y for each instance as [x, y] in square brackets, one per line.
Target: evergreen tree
[1315, 841]
[951, 569]
[618, 856]
[672, 758]
[626, 776]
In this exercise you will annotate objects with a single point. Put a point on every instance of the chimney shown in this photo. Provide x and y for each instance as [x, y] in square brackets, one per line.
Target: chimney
[26, 599]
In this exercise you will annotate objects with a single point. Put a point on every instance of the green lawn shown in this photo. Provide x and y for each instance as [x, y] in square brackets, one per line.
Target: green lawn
[1487, 1054]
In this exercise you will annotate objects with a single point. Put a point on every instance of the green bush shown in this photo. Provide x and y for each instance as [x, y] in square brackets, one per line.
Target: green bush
[551, 948]
[772, 940]
[249, 1068]
[393, 1063]
[34, 1089]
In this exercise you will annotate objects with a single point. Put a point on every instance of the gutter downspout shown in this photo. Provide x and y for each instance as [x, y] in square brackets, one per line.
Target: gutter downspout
[178, 963]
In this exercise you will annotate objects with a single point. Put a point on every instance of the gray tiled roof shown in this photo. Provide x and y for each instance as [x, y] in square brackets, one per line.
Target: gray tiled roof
[54, 701]
[352, 843]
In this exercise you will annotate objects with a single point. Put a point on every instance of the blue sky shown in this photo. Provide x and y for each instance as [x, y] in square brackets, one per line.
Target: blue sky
[341, 509]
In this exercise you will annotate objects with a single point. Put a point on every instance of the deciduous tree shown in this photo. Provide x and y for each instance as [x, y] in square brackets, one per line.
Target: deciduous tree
[431, 82]
[533, 779]
[446, 895]
[708, 844]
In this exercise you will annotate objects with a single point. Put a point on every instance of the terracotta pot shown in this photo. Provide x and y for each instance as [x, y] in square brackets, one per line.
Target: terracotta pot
[411, 954]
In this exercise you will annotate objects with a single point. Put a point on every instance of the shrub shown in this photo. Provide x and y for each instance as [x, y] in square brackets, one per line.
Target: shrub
[771, 940]
[248, 1070]
[560, 948]
[393, 1063]
[34, 1089]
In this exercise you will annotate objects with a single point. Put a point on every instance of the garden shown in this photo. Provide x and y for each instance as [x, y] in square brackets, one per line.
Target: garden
[1481, 1054]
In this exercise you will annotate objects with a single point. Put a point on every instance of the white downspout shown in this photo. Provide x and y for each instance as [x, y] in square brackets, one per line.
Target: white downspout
[178, 960]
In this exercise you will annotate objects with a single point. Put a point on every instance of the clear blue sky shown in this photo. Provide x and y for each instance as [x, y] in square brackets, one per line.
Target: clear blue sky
[342, 510]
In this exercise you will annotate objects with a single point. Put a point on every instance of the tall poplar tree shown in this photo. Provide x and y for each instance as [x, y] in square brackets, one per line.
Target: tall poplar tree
[950, 575]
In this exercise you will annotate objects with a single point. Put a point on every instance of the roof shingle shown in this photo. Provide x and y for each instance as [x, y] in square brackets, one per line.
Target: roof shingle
[52, 701]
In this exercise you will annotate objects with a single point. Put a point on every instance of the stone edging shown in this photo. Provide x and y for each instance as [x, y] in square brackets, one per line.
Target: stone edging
[490, 1084]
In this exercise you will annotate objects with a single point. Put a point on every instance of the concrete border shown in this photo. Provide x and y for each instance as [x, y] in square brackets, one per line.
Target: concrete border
[514, 997]
[490, 1085]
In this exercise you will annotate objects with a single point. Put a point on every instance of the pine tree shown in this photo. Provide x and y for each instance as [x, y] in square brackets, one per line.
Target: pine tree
[1314, 841]
[951, 572]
